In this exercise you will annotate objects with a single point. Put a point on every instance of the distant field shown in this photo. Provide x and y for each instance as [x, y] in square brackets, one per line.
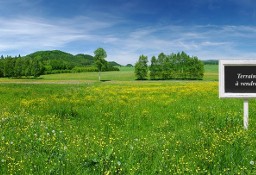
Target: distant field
[125, 74]
[211, 72]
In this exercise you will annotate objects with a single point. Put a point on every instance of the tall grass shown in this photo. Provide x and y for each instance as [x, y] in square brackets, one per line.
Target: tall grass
[124, 128]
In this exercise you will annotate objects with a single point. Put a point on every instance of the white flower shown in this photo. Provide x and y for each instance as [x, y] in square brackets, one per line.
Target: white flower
[118, 163]
[252, 162]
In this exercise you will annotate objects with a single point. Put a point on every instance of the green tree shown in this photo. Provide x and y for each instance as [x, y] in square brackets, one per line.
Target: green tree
[1, 67]
[18, 68]
[176, 66]
[99, 59]
[141, 68]
[37, 68]
[9, 67]
[26, 67]
[196, 69]
[161, 59]
[153, 68]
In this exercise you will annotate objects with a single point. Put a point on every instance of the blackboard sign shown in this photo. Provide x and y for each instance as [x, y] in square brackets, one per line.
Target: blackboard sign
[240, 79]
[237, 78]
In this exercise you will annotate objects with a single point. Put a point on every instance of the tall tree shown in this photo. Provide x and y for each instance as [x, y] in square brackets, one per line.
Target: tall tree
[26, 67]
[141, 68]
[37, 68]
[18, 68]
[1, 67]
[9, 67]
[153, 68]
[176, 66]
[99, 59]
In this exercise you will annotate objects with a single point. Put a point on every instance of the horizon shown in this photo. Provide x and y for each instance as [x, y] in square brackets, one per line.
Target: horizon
[208, 29]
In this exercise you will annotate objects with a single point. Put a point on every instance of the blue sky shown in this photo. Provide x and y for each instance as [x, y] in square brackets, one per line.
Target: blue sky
[209, 29]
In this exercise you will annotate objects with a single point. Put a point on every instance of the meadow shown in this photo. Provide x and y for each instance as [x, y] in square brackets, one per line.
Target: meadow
[77, 125]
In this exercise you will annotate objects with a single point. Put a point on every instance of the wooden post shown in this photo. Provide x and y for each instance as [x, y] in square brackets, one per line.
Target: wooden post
[246, 113]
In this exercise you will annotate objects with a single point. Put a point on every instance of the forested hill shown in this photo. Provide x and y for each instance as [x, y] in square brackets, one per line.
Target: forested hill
[58, 58]
[48, 62]
[62, 60]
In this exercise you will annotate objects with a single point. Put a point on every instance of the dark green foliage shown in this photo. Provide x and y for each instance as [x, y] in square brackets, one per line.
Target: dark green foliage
[141, 68]
[9, 64]
[48, 62]
[176, 66]
[17, 67]
[58, 62]
[37, 68]
[154, 68]
[99, 59]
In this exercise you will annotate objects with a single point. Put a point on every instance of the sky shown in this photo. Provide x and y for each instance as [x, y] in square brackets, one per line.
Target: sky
[126, 29]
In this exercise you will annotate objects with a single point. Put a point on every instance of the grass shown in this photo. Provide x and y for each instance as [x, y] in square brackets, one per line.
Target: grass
[125, 74]
[211, 72]
[124, 128]
[73, 124]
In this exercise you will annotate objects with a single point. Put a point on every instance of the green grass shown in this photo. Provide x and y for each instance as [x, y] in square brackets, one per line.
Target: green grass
[124, 128]
[211, 72]
[73, 124]
[125, 74]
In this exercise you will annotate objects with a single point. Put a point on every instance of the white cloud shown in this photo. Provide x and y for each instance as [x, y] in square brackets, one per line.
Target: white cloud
[206, 42]
[25, 34]
[29, 34]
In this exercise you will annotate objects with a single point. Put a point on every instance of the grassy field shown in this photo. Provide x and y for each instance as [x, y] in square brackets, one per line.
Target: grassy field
[123, 127]
[125, 74]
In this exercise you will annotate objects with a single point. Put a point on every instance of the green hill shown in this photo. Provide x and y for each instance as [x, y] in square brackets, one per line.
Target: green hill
[62, 58]
[57, 61]
[113, 63]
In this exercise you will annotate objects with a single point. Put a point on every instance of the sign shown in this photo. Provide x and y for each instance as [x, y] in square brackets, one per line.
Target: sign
[237, 79]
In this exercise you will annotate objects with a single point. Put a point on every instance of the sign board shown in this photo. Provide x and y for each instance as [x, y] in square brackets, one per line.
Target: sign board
[237, 79]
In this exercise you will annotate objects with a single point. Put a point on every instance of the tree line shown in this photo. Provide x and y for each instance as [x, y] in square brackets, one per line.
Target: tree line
[173, 66]
[16, 67]
[50, 62]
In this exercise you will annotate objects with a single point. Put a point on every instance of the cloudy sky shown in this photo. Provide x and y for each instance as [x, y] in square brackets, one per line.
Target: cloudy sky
[209, 29]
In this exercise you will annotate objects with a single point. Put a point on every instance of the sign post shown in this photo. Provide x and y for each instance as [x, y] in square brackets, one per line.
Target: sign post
[237, 79]
[246, 113]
